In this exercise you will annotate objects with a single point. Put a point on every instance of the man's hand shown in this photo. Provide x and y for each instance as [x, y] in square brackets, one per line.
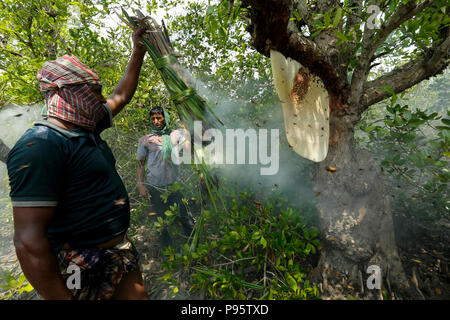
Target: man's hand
[139, 47]
[144, 192]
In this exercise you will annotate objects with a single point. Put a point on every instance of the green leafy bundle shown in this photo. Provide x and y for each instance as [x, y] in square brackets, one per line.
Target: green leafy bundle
[190, 106]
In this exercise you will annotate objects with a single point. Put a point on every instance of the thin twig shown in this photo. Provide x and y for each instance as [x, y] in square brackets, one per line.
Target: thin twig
[231, 262]
[15, 76]
[13, 52]
[265, 259]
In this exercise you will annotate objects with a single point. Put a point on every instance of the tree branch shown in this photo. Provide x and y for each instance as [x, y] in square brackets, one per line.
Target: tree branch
[322, 6]
[403, 13]
[269, 30]
[304, 12]
[354, 18]
[407, 75]
[12, 74]
[13, 52]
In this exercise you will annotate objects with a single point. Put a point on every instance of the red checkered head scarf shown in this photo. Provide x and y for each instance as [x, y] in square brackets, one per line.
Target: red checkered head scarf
[69, 88]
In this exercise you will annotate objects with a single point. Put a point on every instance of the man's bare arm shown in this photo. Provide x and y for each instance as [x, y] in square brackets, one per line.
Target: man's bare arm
[140, 171]
[186, 141]
[127, 85]
[36, 257]
[141, 178]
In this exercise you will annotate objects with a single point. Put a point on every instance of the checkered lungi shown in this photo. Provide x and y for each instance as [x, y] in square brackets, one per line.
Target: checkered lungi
[101, 269]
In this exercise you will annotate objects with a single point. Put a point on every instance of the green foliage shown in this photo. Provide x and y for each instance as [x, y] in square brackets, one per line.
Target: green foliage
[413, 148]
[214, 44]
[255, 251]
[10, 285]
[331, 20]
[168, 221]
[344, 20]
[35, 31]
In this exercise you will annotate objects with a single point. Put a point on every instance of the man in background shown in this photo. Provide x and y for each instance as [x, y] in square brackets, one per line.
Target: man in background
[156, 148]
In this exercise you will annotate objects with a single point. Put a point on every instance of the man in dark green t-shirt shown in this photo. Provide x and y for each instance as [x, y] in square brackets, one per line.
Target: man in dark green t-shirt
[71, 209]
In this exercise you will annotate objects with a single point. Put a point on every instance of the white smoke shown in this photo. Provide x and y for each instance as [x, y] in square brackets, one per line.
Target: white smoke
[14, 121]
[235, 113]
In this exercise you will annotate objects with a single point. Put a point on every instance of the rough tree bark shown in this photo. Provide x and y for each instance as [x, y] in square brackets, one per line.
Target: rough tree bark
[354, 211]
[356, 221]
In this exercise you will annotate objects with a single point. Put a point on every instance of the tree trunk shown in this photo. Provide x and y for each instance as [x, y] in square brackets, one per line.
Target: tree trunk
[4, 150]
[356, 222]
